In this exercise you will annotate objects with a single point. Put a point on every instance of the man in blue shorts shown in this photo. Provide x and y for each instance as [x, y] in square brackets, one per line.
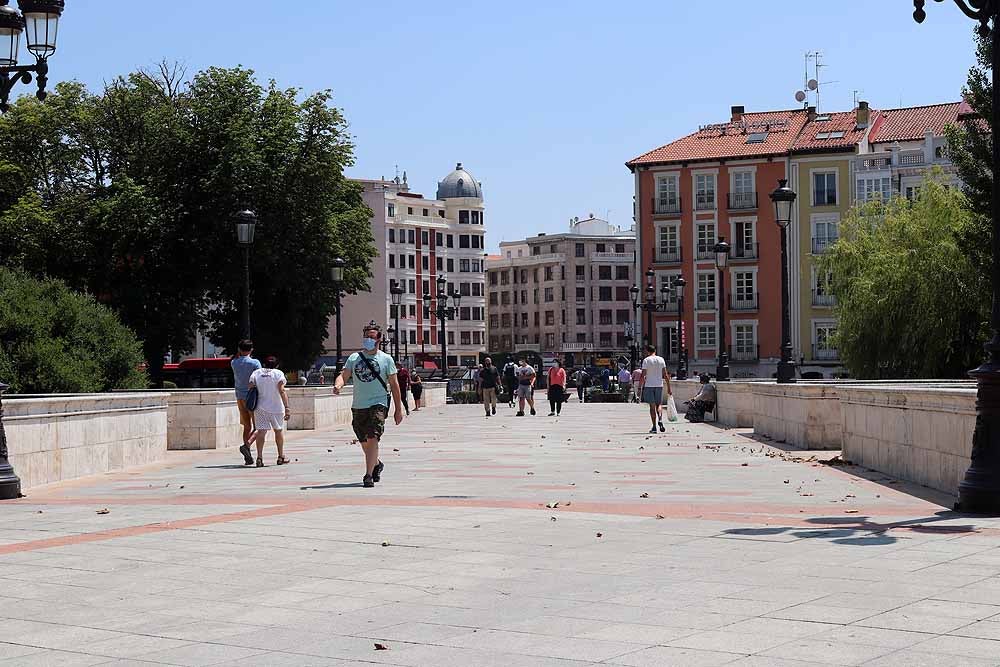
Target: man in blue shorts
[243, 367]
[654, 374]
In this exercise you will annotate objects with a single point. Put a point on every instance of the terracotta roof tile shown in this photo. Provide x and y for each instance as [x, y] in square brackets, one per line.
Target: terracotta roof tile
[911, 123]
[778, 129]
[842, 123]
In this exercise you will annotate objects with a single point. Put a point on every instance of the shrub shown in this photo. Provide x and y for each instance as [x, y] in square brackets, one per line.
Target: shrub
[55, 340]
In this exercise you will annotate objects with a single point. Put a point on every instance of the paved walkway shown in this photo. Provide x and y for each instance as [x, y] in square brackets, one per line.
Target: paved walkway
[504, 541]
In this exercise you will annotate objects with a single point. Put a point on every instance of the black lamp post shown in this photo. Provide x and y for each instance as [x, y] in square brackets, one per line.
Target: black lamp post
[246, 224]
[783, 199]
[396, 294]
[681, 350]
[443, 312]
[650, 305]
[39, 19]
[721, 262]
[10, 485]
[980, 490]
[337, 276]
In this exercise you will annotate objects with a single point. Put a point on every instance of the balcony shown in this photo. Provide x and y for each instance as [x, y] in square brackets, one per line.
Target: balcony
[823, 353]
[884, 161]
[705, 202]
[578, 347]
[670, 255]
[744, 354]
[743, 302]
[742, 201]
[705, 302]
[819, 245]
[705, 251]
[823, 299]
[612, 257]
[667, 207]
[745, 252]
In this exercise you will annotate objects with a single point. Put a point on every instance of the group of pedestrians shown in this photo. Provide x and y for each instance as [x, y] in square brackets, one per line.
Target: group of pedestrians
[262, 401]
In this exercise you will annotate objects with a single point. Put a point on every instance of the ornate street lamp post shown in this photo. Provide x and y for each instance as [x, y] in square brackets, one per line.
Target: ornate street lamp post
[443, 312]
[681, 350]
[337, 276]
[783, 199]
[10, 485]
[39, 20]
[980, 490]
[246, 224]
[721, 262]
[396, 294]
[650, 305]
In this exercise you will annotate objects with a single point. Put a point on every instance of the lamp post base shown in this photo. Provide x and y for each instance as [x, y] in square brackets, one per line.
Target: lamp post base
[786, 372]
[979, 492]
[722, 370]
[10, 484]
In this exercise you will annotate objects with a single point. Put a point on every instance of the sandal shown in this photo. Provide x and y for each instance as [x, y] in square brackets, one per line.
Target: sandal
[282, 461]
[260, 462]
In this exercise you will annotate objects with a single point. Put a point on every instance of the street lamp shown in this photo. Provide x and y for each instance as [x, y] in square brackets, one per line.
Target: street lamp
[681, 350]
[443, 312]
[387, 340]
[39, 19]
[337, 276]
[980, 490]
[246, 225]
[721, 262]
[10, 485]
[783, 198]
[650, 305]
[396, 294]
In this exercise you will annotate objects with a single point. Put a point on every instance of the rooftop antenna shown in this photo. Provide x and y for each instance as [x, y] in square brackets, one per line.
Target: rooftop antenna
[857, 97]
[811, 85]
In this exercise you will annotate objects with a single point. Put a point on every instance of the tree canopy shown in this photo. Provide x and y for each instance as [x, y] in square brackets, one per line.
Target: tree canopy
[128, 195]
[910, 301]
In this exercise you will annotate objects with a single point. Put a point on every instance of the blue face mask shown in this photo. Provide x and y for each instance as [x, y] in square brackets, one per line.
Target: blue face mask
[368, 343]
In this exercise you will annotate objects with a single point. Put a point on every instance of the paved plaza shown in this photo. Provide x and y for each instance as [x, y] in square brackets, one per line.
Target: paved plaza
[507, 541]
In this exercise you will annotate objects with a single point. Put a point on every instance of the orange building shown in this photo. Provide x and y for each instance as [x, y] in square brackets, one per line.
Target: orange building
[709, 185]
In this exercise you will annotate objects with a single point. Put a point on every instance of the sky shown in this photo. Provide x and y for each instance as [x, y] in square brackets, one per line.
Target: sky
[542, 101]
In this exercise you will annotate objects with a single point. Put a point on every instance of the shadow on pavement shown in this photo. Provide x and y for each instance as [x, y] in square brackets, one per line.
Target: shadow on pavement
[228, 466]
[345, 485]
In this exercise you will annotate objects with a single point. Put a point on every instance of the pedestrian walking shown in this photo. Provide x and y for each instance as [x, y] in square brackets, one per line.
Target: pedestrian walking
[404, 387]
[557, 388]
[417, 387]
[271, 411]
[374, 374]
[525, 387]
[582, 380]
[243, 366]
[489, 380]
[510, 381]
[654, 374]
[625, 383]
[637, 385]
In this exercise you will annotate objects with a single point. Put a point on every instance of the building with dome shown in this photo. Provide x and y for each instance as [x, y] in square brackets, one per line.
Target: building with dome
[418, 240]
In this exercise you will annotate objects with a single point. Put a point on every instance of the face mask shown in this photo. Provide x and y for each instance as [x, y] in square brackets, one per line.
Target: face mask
[368, 343]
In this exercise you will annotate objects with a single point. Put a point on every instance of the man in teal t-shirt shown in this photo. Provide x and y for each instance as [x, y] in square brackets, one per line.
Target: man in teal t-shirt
[374, 374]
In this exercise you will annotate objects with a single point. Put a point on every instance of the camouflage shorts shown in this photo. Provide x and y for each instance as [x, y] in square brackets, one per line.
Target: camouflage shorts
[369, 422]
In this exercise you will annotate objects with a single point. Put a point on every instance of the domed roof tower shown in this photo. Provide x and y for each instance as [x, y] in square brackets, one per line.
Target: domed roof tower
[459, 184]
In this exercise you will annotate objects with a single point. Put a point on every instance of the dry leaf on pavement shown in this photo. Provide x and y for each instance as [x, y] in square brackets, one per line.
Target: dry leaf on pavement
[104, 511]
[381, 647]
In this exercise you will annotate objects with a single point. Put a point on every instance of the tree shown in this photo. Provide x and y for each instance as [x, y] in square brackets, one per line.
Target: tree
[910, 302]
[55, 340]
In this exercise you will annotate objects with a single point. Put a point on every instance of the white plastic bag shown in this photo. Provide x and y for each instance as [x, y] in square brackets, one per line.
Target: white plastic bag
[671, 408]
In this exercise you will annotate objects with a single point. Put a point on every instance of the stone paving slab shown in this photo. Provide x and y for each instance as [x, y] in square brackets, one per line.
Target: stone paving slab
[531, 541]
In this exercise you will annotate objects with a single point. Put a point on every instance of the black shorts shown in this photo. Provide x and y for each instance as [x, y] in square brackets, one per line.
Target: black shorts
[369, 422]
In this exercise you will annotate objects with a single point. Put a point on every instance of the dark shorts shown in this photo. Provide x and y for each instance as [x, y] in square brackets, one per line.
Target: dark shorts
[652, 395]
[369, 422]
[417, 390]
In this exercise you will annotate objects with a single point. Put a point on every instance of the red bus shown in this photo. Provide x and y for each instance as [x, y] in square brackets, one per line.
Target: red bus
[214, 373]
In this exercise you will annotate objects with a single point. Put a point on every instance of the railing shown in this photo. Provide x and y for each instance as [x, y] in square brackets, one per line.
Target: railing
[675, 256]
[738, 302]
[705, 252]
[612, 257]
[705, 302]
[551, 257]
[824, 354]
[667, 206]
[875, 163]
[528, 347]
[578, 347]
[742, 354]
[823, 299]
[704, 202]
[911, 158]
[739, 201]
[746, 251]
[819, 246]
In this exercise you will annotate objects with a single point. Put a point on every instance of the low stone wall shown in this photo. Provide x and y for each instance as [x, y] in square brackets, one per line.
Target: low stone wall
[920, 434]
[57, 438]
[806, 415]
[435, 394]
[684, 390]
[202, 419]
[736, 404]
[317, 407]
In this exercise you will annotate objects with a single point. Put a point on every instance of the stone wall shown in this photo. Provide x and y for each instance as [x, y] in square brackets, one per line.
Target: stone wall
[56, 438]
[202, 419]
[737, 405]
[316, 407]
[806, 415]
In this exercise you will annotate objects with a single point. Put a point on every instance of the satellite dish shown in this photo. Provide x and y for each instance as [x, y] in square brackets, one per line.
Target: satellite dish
[800, 96]
[813, 84]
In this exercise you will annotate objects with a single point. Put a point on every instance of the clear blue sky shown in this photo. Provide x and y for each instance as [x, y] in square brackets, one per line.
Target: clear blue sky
[542, 101]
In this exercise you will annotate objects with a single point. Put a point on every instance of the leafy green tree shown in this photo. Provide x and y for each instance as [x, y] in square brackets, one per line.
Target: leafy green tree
[53, 339]
[910, 301]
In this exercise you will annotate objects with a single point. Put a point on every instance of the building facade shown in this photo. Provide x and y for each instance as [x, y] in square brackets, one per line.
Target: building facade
[419, 240]
[563, 294]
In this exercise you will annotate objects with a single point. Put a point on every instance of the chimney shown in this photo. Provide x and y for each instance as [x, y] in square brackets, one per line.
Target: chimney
[811, 113]
[864, 114]
[737, 113]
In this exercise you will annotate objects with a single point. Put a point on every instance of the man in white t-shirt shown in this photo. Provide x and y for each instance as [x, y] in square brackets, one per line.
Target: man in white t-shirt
[271, 412]
[654, 374]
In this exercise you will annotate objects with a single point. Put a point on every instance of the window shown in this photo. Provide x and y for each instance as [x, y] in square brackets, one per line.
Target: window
[839, 134]
[822, 294]
[536, 318]
[581, 316]
[706, 240]
[463, 266]
[604, 317]
[438, 239]
[451, 341]
[440, 263]
[534, 295]
[550, 341]
[825, 234]
[392, 261]
[669, 243]
[477, 266]
[524, 296]
[604, 273]
[463, 241]
[391, 210]
[402, 261]
[505, 320]
[475, 217]
[621, 316]
[581, 338]
[441, 214]
[548, 273]
[392, 235]
[411, 236]
[413, 336]
[745, 245]
[494, 299]
[478, 289]
[744, 342]
[581, 272]
[605, 338]
[426, 213]
[871, 189]
[757, 137]
[504, 278]
[451, 265]
[825, 188]
[534, 275]
[505, 298]
[413, 286]
[619, 247]
[666, 194]
[621, 273]
[427, 286]
[706, 290]
[706, 335]
[463, 217]
[450, 241]
[412, 261]
[912, 192]
[670, 280]
[554, 248]
[549, 295]
[704, 186]
[425, 262]
[823, 348]
[465, 289]
[550, 318]
[602, 247]
[742, 194]
[580, 250]
[536, 250]
[425, 238]
[621, 293]
[409, 210]
[604, 293]
[463, 313]
[477, 337]
[581, 293]
[743, 285]
[477, 241]
[413, 310]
